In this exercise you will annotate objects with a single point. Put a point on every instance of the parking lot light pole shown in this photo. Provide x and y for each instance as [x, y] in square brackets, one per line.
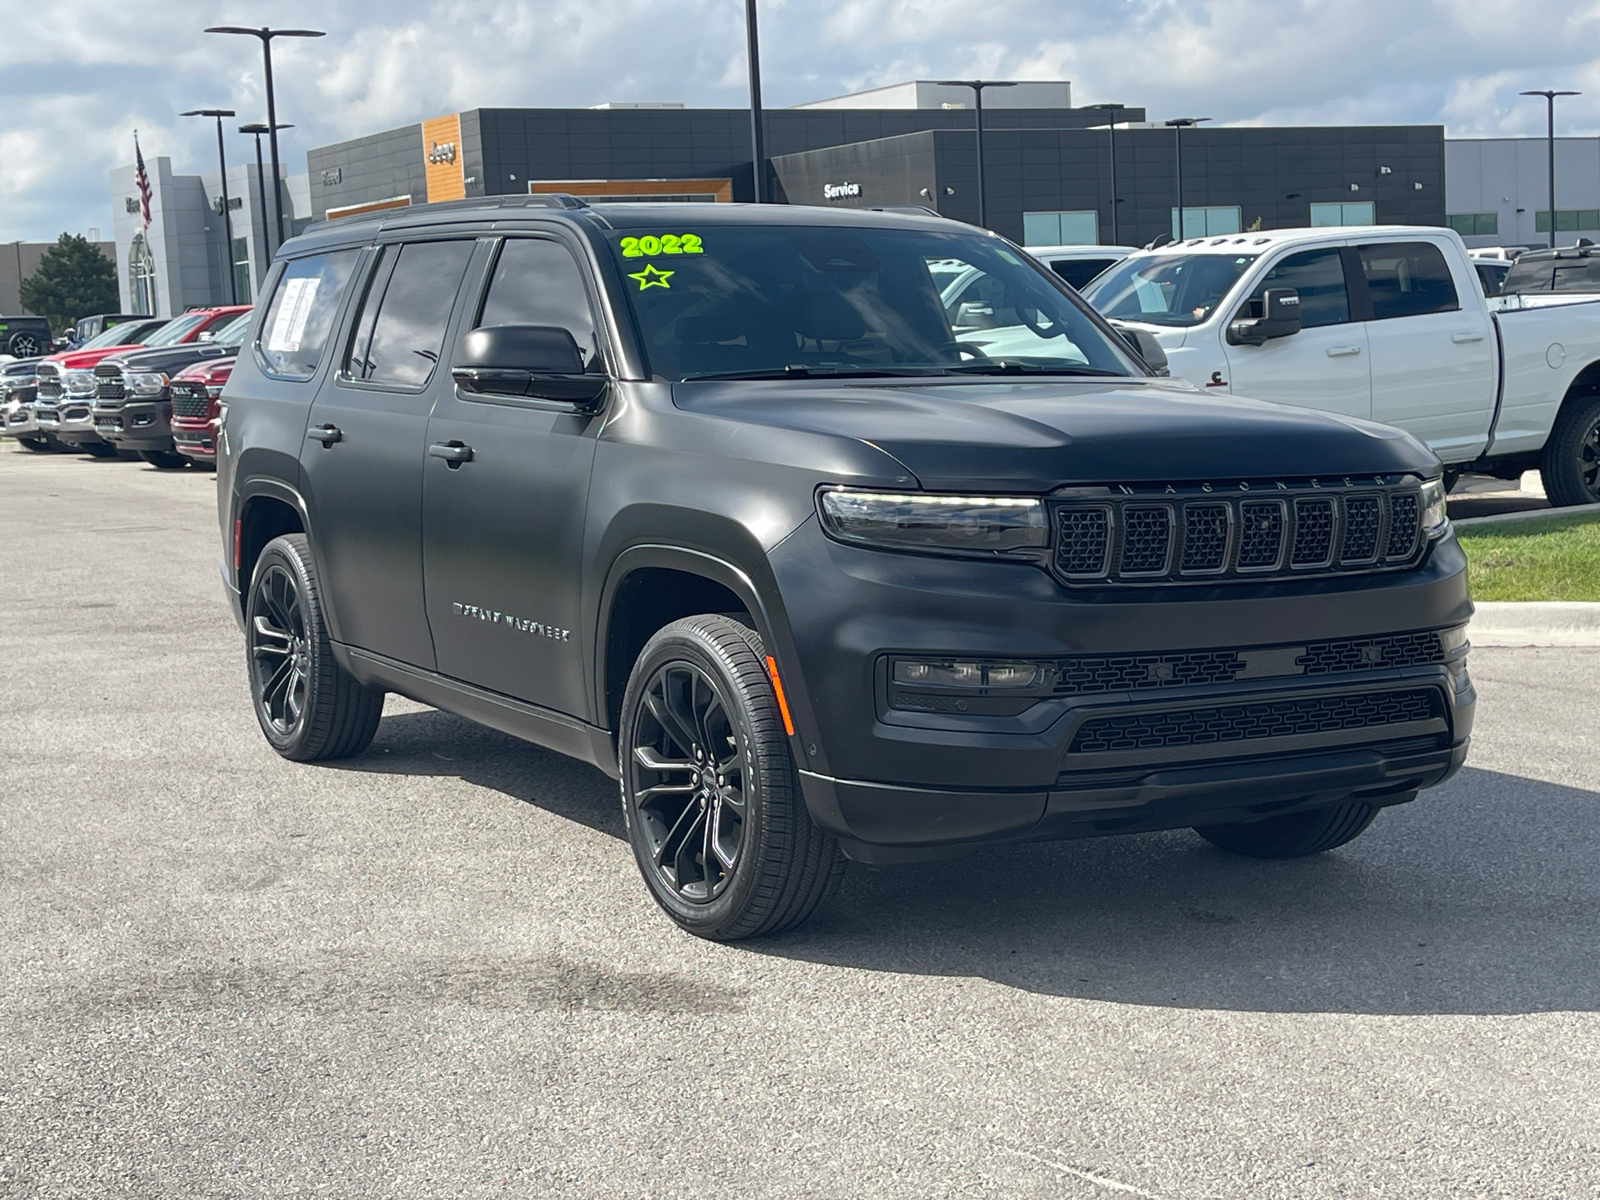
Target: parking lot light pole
[758, 140]
[261, 187]
[1111, 111]
[1178, 125]
[266, 35]
[1550, 140]
[227, 205]
[977, 86]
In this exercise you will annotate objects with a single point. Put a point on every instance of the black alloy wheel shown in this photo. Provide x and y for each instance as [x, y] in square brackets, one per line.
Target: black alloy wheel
[710, 793]
[24, 345]
[309, 707]
[689, 773]
[1570, 465]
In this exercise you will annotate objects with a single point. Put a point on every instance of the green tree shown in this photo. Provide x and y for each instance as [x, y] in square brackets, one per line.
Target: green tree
[74, 280]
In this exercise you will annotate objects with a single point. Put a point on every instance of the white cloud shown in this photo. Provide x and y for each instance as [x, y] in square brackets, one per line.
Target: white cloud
[92, 70]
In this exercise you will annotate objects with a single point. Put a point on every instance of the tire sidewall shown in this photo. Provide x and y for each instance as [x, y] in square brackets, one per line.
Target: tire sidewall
[1569, 487]
[679, 644]
[282, 552]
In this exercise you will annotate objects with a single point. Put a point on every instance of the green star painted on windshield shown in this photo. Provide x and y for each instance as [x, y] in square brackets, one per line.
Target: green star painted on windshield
[651, 277]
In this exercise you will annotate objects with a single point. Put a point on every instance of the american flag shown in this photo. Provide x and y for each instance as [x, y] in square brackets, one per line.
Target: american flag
[142, 178]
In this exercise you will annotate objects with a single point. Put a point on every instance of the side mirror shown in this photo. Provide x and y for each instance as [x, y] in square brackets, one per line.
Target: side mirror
[206, 336]
[1143, 343]
[974, 314]
[1280, 317]
[541, 362]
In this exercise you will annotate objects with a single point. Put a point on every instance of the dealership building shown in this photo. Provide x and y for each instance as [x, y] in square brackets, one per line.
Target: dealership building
[1053, 173]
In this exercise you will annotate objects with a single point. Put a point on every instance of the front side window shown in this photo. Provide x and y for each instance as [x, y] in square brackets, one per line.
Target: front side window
[1079, 271]
[401, 333]
[1167, 289]
[1407, 279]
[537, 282]
[778, 300]
[1318, 276]
[300, 318]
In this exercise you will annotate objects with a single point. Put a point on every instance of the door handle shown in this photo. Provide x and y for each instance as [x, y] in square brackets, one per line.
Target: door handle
[1343, 351]
[453, 453]
[326, 434]
[1461, 339]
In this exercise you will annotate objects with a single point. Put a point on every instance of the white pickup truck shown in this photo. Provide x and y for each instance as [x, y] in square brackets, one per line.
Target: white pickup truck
[1385, 322]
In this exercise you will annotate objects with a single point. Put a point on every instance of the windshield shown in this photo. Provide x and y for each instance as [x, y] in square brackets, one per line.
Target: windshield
[175, 331]
[108, 337]
[1166, 289]
[232, 334]
[743, 302]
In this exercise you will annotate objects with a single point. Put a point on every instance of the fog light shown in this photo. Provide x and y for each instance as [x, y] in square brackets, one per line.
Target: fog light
[969, 673]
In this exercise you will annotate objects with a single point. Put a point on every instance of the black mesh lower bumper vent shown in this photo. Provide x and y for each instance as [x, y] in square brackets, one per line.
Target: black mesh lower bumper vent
[1294, 717]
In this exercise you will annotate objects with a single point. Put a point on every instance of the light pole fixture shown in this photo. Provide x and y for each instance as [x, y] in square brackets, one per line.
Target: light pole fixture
[1178, 125]
[1111, 111]
[266, 35]
[227, 205]
[261, 187]
[977, 86]
[758, 140]
[1550, 140]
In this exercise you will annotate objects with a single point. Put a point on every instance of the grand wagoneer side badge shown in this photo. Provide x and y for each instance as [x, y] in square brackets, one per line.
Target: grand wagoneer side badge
[537, 628]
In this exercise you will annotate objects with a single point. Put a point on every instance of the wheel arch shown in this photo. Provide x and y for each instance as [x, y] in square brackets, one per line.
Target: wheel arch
[268, 508]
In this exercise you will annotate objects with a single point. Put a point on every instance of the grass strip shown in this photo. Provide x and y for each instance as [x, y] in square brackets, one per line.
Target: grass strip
[1555, 559]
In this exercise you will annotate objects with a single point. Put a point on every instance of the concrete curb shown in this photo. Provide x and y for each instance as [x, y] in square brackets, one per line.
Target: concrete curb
[1535, 623]
[1535, 514]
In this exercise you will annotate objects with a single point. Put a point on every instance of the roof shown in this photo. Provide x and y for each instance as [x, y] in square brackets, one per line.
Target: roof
[1266, 240]
[1080, 251]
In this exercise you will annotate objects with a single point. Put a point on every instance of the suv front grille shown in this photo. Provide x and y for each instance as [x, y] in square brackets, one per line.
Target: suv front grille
[1295, 717]
[1088, 675]
[190, 399]
[108, 384]
[1192, 534]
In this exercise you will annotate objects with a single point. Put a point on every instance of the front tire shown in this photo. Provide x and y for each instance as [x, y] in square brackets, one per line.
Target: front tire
[1570, 465]
[309, 707]
[95, 449]
[710, 794]
[1295, 835]
[165, 460]
[37, 445]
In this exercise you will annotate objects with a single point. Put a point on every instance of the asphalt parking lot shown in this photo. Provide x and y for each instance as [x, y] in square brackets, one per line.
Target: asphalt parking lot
[433, 971]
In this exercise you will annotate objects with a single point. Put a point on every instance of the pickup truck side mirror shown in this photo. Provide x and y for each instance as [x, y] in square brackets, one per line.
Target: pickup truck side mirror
[538, 361]
[1144, 344]
[1280, 317]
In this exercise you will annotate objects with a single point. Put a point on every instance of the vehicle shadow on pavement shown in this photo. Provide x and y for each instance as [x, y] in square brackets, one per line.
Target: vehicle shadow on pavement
[1480, 897]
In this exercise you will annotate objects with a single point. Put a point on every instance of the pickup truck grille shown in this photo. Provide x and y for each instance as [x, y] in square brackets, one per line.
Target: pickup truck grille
[190, 399]
[1092, 674]
[108, 384]
[49, 382]
[1294, 717]
[1271, 530]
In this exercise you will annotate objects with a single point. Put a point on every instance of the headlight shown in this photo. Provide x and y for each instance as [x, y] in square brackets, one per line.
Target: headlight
[78, 383]
[1434, 518]
[145, 383]
[970, 673]
[980, 525]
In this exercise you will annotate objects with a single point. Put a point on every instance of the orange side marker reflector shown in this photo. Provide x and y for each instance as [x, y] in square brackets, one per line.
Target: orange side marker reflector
[777, 688]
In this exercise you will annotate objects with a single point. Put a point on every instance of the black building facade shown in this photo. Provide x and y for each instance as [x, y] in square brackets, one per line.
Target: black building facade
[1048, 174]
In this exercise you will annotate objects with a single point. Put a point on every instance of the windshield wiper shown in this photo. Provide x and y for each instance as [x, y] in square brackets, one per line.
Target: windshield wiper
[802, 371]
[1010, 366]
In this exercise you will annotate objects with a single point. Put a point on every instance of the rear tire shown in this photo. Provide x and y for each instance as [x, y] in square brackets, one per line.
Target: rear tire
[1570, 465]
[95, 449]
[309, 707]
[1296, 835]
[710, 794]
[166, 460]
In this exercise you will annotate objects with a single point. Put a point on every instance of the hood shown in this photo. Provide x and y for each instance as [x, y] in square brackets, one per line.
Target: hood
[212, 370]
[1032, 437]
[77, 360]
[172, 359]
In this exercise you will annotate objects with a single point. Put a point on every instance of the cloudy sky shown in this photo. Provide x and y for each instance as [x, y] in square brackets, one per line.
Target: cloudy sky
[91, 71]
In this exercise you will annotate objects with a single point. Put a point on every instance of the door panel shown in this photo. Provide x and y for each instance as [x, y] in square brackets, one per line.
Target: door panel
[1324, 366]
[503, 530]
[365, 485]
[1433, 368]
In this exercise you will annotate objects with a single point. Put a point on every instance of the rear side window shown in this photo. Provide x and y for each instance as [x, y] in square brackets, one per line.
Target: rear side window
[538, 282]
[302, 312]
[1407, 279]
[1318, 275]
[1078, 271]
[401, 333]
[1580, 276]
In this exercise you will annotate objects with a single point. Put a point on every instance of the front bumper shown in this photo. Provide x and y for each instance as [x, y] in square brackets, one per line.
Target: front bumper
[1083, 763]
[135, 424]
[75, 423]
[195, 438]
